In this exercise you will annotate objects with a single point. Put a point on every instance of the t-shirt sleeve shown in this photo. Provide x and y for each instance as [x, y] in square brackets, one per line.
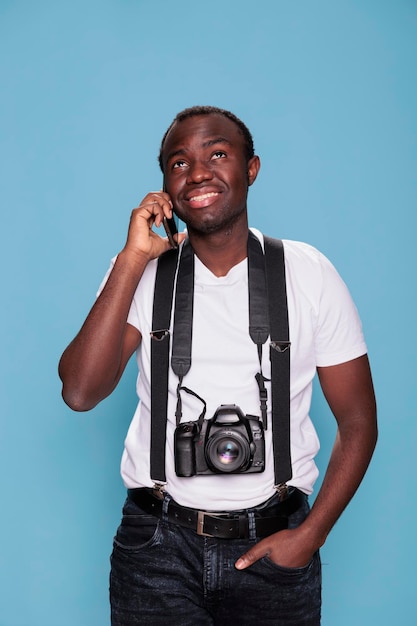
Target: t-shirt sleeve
[141, 295]
[106, 277]
[339, 336]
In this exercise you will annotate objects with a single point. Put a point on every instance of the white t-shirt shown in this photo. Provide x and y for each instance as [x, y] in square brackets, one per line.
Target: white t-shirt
[325, 330]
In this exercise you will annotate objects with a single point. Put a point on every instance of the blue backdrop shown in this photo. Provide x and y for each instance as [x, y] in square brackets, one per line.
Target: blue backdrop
[87, 90]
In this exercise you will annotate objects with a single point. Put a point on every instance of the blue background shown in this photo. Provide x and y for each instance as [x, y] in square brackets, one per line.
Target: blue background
[87, 90]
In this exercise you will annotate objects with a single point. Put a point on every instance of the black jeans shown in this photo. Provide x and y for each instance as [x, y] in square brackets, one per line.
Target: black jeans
[163, 574]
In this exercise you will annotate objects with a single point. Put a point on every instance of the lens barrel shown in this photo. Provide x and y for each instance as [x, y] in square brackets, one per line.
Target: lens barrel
[227, 451]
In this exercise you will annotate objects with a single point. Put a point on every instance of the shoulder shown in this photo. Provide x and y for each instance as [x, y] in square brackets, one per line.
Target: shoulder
[302, 257]
[310, 273]
[291, 247]
[298, 251]
[313, 273]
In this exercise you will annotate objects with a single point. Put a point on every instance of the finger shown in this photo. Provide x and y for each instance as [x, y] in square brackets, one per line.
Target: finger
[165, 203]
[250, 557]
[152, 203]
[157, 204]
[162, 198]
[159, 195]
[151, 211]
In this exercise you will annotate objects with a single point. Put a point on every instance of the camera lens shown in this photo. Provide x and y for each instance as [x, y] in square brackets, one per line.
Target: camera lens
[227, 452]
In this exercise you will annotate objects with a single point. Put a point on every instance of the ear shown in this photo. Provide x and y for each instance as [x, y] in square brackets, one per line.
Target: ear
[254, 165]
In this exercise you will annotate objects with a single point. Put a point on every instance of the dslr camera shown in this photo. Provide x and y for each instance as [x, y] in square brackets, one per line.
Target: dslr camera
[228, 443]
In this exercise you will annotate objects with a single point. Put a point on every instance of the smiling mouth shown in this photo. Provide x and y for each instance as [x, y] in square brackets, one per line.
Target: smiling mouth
[203, 196]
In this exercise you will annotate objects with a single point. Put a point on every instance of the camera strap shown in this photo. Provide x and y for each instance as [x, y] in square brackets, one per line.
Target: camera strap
[183, 328]
[160, 344]
[279, 354]
[268, 316]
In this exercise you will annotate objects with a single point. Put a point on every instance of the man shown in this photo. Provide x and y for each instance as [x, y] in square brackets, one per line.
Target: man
[163, 569]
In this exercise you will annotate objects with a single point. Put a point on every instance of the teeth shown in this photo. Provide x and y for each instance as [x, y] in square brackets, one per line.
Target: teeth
[204, 196]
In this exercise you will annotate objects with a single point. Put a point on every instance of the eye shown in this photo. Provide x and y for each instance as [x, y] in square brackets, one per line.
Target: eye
[178, 164]
[219, 154]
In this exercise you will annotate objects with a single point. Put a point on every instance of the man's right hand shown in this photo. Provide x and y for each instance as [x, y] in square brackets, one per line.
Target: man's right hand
[142, 240]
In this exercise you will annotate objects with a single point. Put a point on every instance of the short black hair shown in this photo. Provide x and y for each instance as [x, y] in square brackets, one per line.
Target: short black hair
[210, 110]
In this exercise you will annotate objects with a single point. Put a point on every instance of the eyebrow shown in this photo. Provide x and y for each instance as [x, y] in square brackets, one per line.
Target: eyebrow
[206, 144]
[213, 142]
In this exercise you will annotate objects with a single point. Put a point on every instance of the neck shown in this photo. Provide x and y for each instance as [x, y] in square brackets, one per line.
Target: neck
[219, 252]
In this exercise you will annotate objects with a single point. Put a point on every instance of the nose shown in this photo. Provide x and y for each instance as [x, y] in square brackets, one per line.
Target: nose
[199, 171]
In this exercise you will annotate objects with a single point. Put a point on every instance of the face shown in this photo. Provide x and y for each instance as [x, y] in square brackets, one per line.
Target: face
[207, 174]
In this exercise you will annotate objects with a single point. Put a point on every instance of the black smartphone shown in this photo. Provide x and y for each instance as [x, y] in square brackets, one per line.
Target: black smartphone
[170, 225]
[171, 229]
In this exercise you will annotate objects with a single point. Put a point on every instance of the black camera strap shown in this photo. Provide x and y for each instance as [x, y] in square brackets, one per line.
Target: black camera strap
[279, 354]
[268, 316]
[183, 327]
[160, 344]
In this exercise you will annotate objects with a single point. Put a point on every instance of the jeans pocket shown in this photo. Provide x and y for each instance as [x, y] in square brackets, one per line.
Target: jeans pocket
[294, 574]
[137, 532]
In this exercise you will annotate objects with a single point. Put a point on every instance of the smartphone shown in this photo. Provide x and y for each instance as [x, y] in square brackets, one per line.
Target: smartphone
[170, 225]
[171, 229]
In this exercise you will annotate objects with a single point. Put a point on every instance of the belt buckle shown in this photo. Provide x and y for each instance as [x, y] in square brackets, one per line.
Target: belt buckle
[200, 524]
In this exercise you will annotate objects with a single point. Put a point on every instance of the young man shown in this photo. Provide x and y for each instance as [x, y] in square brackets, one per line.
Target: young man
[260, 560]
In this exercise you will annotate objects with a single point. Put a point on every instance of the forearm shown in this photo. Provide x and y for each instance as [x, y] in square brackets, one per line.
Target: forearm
[91, 365]
[349, 391]
[351, 454]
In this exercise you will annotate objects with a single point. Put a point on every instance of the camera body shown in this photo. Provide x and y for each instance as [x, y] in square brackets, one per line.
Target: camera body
[228, 443]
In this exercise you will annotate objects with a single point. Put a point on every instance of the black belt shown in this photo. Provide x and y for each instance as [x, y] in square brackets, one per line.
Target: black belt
[224, 525]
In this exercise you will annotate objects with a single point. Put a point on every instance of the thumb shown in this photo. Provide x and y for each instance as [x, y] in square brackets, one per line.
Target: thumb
[250, 557]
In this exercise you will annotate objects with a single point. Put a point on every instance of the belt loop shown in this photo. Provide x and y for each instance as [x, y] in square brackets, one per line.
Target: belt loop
[165, 505]
[251, 526]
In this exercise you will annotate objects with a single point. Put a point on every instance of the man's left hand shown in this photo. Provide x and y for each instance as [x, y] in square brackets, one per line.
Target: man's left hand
[286, 548]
